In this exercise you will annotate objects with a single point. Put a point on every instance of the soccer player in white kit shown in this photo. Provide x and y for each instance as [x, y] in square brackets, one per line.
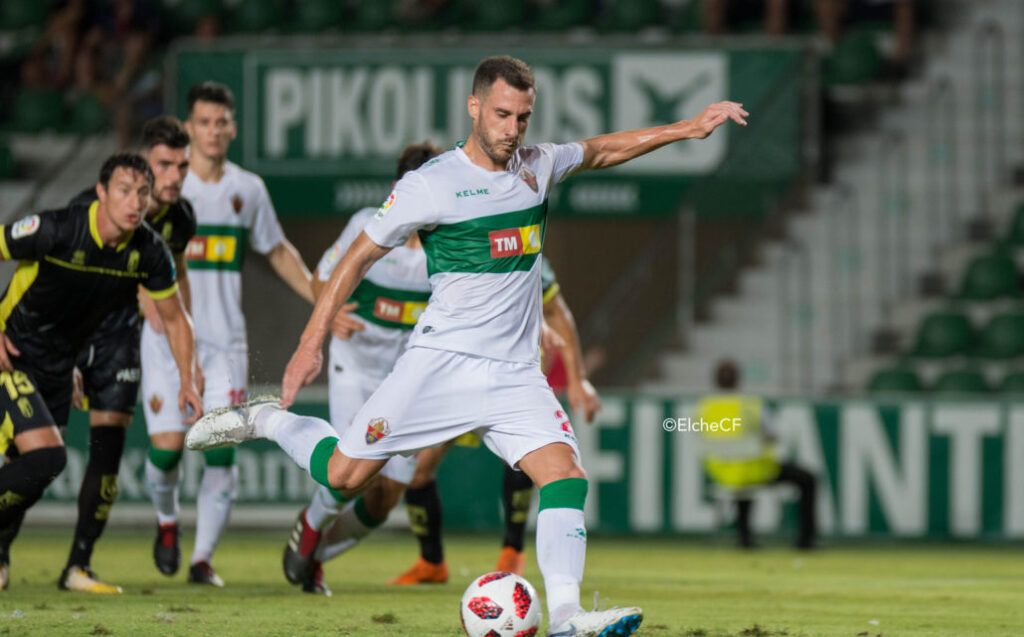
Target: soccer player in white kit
[233, 212]
[473, 359]
[385, 307]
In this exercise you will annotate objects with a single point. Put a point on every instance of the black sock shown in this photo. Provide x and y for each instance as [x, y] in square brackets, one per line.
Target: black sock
[424, 507]
[98, 492]
[22, 482]
[517, 494]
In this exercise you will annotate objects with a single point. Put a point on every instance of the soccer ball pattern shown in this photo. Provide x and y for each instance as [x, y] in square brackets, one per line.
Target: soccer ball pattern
[500, 605]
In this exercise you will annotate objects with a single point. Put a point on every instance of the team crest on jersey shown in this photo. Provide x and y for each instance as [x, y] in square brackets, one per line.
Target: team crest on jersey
[384, 207]
[25, 227]
[377, 429]
[133, 261]
[529, 178]
[156, 403]
[236, 203]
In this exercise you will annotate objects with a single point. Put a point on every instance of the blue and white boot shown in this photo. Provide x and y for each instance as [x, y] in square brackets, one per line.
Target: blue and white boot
[614, 622]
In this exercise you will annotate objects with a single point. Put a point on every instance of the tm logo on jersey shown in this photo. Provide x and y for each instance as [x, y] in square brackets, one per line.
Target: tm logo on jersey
[514, 242]
[404, 312]
[212, 248]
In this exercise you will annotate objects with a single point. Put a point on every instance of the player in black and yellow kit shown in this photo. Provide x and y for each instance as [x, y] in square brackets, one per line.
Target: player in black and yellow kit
[108, 369]
[77, 265]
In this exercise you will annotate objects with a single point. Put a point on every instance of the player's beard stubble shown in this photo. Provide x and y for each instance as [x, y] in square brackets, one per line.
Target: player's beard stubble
[498, 150]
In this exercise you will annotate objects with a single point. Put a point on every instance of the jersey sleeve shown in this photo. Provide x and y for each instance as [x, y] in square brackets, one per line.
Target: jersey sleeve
[30, 238]
[548, 282]
[565, 158]
[409, 207]
[338, 249]
[161, 279]
[266, 231]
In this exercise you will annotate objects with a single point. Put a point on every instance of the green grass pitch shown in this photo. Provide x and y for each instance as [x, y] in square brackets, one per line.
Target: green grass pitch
[687, 588]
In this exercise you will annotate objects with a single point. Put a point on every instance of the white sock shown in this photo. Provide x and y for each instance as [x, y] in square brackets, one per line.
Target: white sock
[213, 508]
[163, 490]
[561, 553]
[346, 532]
[297, 435]
[322, 510]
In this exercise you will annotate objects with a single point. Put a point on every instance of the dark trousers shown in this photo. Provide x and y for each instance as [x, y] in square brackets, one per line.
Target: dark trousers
[804, 481]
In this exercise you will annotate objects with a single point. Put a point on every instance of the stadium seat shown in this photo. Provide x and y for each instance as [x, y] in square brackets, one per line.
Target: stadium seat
[631, 15]
[1003, 337]
[944, 334]
[895, 380]
[561, 15]
[19, 14]
[313, 16]
[961, 381]
[498, 16]
[373, 16]
[88, 116]
[1015, 236]
[855, 60]
[184, 15]
[7, 164]
[1013, 383]
[253, 16]
[990, 277]
[36, 110]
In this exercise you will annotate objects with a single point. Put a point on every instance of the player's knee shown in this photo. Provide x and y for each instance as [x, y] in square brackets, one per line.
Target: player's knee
[48, 463]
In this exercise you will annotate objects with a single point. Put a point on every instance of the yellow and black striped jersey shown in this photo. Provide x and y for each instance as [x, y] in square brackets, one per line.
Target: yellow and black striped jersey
[67, 281]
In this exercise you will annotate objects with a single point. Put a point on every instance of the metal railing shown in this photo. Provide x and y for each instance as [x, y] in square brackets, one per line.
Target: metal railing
[846, 262]
[989, 112]
[796, 320]
[942, 191]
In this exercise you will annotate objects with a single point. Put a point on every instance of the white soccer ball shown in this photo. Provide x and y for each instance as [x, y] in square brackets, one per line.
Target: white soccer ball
[500, 605]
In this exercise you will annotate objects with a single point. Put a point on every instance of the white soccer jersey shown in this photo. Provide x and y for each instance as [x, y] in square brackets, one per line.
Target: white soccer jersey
[391, 298]
[232, 215]
[482, 233]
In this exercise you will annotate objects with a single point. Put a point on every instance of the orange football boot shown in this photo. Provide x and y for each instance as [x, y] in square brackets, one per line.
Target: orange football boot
[423, 572]
[511, 560]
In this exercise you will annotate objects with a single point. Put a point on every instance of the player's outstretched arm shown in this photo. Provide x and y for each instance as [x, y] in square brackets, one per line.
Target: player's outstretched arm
[582, 396]
[287, 262]
[613, 149]
[181, 339]
[344, 325]
[306, 361]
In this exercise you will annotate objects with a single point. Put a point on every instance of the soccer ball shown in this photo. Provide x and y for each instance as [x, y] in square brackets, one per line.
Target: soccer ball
[500, 605]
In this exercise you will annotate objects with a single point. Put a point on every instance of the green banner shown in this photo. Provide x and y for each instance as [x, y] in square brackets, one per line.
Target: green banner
[324, 126]
[911, 469]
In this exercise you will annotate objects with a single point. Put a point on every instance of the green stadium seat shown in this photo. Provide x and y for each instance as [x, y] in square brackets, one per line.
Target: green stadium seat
[19, 14]
[7, 163]
[895, 380]
[36, 110]
[313, 16]
[374, 16]
[631, 15]
[961, 381]
[498, 16]
[990, 277]
[943, 334]
[562, 14]
[1013, 383]
[855, 60]
[1003, 337]
[184, 15]
[1015, 236]
[253, 16]
[88, 116]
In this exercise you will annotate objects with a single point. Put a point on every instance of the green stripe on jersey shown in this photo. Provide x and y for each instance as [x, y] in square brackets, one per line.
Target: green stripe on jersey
[217, 248]
[389, 307]
[507, 242]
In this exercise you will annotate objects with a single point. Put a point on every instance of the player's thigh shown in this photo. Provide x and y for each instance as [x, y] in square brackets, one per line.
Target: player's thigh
[226, 376]
[525, 416]
[430, 397]
[27, 423]
[160, 386]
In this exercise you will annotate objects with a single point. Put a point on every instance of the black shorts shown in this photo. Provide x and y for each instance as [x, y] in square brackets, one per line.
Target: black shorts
[111, 370]
[31, 398]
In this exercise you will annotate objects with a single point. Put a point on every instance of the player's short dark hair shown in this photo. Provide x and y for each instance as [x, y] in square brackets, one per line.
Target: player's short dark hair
[128, 161]
[727, 374]
[211, 92]
[514, 71]
[415, 155]
[166, 130]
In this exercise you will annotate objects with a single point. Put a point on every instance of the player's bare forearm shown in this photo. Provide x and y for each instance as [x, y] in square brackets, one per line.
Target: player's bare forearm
[183, 285]
[361, 255]
[612, 149]
[559, 317]
[180, 335]
[287, 263]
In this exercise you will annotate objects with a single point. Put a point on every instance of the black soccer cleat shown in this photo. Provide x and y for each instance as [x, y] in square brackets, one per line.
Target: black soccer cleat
[166, 551]
[315, 584]
[203, 573]
[298, 559]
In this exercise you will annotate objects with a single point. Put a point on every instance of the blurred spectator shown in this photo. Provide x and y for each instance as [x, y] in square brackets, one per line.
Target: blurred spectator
[836, 16]
[721, 16]
[739, 456]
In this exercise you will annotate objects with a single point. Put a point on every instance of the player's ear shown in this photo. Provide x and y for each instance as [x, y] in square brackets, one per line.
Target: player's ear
[473, 106]
[101, 192]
